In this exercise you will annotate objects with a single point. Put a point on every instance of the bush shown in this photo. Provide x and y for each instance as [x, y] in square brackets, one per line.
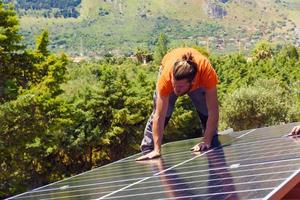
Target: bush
[264, 103]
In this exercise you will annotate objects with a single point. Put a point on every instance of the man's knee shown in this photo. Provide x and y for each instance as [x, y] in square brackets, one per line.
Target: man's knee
[147, 144]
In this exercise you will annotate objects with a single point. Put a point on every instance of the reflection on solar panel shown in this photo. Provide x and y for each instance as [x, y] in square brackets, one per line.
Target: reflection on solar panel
[253, 164]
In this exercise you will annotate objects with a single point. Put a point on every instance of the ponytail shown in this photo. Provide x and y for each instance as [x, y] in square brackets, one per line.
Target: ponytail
[185, 68]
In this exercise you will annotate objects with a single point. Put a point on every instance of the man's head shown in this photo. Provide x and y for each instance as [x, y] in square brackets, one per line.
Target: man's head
[184, 72]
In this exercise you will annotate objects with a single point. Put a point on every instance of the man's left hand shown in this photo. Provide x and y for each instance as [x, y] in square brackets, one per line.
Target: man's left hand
[295, 131]
[200, 147]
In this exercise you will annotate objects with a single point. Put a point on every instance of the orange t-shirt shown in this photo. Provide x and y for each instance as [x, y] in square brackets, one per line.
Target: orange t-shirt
[206, 75]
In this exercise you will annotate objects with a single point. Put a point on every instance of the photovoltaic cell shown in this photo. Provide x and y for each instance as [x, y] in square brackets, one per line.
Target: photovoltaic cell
[249, 164]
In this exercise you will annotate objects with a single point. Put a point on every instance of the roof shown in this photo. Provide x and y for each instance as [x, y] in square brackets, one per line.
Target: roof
[251, 164]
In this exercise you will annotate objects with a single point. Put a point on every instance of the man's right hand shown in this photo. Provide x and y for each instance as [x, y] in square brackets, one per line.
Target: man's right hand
[153, 154]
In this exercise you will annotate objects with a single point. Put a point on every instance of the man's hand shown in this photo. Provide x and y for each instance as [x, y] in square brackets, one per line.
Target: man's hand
[151, 155]
[200, 147]
[295, 131]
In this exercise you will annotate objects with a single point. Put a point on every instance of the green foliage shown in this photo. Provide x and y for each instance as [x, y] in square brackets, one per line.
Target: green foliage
[42, 43]
[15, 65]
[9, 27]
[263, 50]
[185, 122]
[289, 51]
[58, 118]
[236, 70]
[262, 104]
[32, 116]
[161, 48]
[46, 4]
[20, 69]
[202, 50]
[209, 29]
[238, 75]
[143, 54]
[110, 114]
[140, 23]
[233, 71]
[47, 8]
[30, 129]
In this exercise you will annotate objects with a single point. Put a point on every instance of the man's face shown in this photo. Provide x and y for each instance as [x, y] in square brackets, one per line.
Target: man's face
[181, 87]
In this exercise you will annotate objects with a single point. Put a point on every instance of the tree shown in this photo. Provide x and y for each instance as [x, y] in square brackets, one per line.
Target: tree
[143, 55]
[265, 103]
[42, 43]
[9, 27]
[202, 50]
[9, 50]
[289, 51]
[233, 71]
[263, 50]
[161, 48]
[185, 122]
[32, 116]
[31, 127]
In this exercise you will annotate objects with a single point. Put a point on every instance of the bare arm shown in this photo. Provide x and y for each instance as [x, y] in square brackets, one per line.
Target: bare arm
[159, 121]
[213, 115]
[212, 121]
[158, 127]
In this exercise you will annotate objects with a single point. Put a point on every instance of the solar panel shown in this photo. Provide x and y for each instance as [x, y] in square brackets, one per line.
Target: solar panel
[251, 164]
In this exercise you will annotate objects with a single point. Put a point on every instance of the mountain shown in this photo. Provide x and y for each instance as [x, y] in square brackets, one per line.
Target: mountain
[94, 28]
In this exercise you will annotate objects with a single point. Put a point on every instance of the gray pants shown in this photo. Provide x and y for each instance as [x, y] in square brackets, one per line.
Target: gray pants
[198, 99]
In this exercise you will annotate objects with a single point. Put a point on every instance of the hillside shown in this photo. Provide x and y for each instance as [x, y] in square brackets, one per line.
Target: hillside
[96, 27]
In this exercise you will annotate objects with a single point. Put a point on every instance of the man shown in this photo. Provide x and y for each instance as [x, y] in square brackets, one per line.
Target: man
[183, 71]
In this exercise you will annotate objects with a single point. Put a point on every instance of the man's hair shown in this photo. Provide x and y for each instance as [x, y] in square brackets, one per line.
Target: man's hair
[185, 68]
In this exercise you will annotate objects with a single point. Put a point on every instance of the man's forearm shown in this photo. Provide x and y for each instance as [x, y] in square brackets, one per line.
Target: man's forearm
[158, 127]
[211, 127]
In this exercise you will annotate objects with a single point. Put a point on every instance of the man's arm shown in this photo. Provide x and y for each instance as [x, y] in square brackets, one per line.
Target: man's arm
[211, 98]
[213, 115]
[162, 103]
[159, 121]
